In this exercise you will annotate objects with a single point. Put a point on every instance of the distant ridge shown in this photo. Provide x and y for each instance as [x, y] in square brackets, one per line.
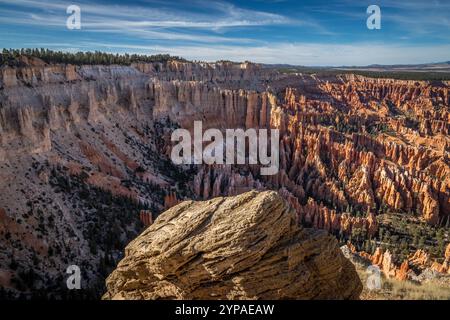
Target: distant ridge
[438, 71]
[435, 65]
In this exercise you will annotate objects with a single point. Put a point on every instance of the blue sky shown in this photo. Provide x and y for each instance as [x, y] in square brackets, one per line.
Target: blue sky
[268, 31]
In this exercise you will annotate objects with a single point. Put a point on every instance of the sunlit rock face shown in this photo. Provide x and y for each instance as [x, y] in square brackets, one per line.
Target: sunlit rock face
[243, 247]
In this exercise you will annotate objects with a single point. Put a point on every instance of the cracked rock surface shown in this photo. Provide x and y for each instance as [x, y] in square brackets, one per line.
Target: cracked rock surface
[244, 247]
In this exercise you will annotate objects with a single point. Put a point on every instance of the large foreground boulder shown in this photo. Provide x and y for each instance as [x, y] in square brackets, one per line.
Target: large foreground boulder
[243, 247]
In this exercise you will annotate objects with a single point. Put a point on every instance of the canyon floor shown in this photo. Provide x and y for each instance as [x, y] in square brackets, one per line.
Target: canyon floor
[85, 166]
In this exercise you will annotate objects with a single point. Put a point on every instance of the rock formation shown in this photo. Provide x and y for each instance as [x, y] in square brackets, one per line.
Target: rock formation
[244, 247]
[146, 217]
[443, 267]
[170, 200]
[410, 269]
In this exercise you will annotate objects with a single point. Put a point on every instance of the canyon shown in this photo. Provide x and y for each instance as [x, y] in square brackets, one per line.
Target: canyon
[85, 159]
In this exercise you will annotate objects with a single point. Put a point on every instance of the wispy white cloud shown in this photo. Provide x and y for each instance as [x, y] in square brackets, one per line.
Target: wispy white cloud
[151, 22]
[319, 54]
[221, 15]
[308, 54]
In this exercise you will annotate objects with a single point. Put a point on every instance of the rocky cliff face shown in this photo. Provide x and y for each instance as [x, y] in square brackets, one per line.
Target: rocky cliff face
[244, 247]
[76, 140]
